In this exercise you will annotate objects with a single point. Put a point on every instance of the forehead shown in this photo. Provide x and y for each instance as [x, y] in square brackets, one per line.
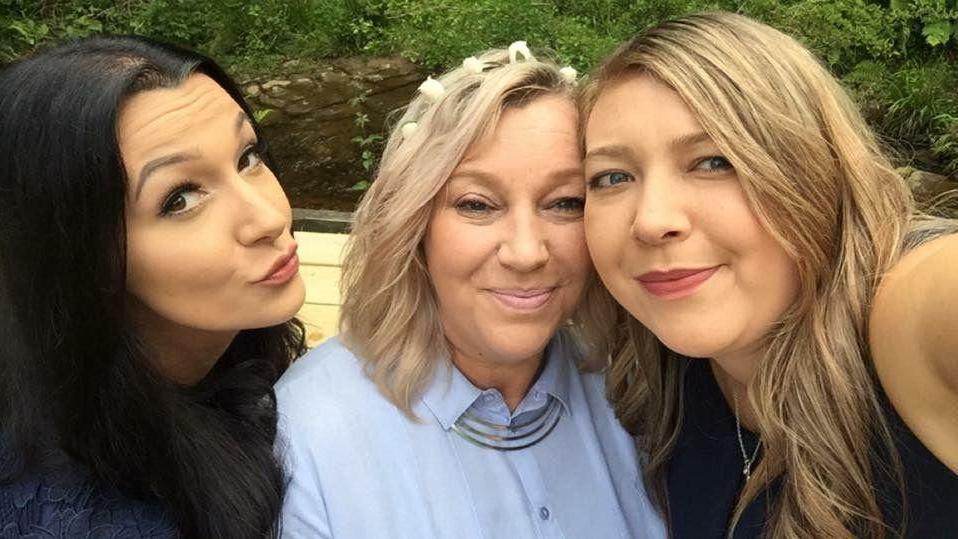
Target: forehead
[639, 102]
[164, 116]
[544, 128]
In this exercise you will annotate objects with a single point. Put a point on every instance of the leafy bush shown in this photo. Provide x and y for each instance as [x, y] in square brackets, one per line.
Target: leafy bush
[898, 56]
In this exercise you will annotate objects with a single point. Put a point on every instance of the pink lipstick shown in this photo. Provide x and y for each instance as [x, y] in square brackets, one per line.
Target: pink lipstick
[523, 300]
[675, 283]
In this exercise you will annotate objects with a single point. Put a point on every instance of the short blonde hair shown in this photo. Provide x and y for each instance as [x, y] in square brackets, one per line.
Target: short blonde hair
[390, 317]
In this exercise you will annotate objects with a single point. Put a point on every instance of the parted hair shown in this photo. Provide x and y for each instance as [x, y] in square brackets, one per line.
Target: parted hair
[819, 182]
[389, 313]
[76, 381]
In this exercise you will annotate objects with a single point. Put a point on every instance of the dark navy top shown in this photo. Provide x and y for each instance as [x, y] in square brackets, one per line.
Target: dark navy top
[704, 475]
[71, 504]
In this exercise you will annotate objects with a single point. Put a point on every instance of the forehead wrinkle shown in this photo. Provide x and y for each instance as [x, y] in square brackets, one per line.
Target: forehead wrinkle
[153, 129]
[190, 98]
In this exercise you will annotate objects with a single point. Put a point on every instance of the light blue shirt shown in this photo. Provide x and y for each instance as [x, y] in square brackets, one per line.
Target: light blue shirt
[360, 468]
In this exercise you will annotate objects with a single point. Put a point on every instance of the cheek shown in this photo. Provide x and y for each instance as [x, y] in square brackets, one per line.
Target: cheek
[607, 233]
[170, 271]
[455, 254]
[273, 192]
[569, 253]
[768, 275]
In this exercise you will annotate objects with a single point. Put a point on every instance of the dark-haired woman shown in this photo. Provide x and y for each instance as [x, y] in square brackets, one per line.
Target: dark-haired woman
[148, 278]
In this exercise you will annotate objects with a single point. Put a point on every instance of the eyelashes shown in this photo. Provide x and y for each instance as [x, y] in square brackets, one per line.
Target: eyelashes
[610, 179]
[478, 207]
[189, 194]
[712, 164]
[182, 199]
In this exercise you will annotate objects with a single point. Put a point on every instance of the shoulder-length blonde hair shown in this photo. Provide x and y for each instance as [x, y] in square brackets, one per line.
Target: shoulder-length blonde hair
[819, 183]
[389, 315]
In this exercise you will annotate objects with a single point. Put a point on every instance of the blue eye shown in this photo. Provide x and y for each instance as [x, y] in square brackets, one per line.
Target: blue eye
[471, 205]
[608, 179]
[570, 204]
[714, 163]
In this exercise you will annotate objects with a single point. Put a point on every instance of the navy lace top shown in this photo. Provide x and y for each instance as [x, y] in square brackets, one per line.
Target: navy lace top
[705, 476]
[71, 504]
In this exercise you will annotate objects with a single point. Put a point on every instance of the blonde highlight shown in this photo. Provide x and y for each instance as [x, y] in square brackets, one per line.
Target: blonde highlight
[820, 184]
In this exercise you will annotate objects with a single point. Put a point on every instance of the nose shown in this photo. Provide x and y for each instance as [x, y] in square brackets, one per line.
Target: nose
[661, 215]
[525, 248]
[262, 216]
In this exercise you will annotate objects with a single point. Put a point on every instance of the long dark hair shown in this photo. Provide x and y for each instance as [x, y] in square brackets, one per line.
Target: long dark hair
[74, 378]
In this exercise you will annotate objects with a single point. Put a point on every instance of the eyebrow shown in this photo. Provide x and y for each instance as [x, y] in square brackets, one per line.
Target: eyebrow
[690, 140]
[179, 157]
[160, 162]
[621, 151]
[241, 119]
[492, 180]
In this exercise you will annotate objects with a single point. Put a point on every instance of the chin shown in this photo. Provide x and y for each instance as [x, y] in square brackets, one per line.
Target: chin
[512, 349]
[694, 346]
[279, 309]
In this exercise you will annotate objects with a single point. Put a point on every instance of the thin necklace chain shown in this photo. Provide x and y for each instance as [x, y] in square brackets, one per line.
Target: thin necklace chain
[748, 461]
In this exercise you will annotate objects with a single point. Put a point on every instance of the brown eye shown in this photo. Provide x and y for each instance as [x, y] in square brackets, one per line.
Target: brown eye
[251, 158]
[182, 199]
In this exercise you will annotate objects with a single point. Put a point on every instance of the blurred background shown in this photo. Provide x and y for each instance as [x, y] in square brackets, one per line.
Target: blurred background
[324, 75]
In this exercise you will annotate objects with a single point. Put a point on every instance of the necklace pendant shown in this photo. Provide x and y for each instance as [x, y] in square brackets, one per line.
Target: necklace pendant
[747, 471]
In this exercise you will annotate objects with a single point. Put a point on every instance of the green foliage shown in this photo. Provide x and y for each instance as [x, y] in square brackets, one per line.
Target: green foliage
[899, 57]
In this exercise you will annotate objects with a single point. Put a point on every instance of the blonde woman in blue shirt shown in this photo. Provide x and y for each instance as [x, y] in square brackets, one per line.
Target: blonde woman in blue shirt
[452, 405]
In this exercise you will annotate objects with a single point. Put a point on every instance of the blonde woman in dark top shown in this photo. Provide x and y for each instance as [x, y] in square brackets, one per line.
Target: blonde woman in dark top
[786, 346]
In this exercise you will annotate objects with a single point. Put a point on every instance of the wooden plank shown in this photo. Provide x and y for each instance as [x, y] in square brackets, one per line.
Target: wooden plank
[320, 321]
[320, 249]
[322, 284]
[320, 258]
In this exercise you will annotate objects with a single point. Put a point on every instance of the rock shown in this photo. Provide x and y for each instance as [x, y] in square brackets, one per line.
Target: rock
[314, 121]
[932, 191]
[299, 108]
[276, 91]
[273, 83]
[252, 90]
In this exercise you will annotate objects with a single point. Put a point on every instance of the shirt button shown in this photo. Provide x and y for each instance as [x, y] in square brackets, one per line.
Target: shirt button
[544, 513]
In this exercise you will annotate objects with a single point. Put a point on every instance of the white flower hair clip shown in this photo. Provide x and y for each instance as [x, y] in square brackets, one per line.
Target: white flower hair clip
[569, 74]
[432, 89]
[517, 48]
[408, 129]
[472, 65]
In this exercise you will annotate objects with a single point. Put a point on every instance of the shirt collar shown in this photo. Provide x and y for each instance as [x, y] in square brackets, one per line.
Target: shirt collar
[449, 393]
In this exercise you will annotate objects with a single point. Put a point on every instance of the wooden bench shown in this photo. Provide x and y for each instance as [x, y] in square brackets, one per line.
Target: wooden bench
[320, 258]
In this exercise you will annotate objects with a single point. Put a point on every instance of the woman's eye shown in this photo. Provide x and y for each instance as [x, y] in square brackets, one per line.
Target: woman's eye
[473, 206]
[608, 179]
[251, 158]
[182, 199]
[570, 204]
[714, 163]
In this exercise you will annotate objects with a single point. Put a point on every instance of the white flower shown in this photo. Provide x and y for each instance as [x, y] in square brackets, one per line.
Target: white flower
[472, 65]
[519, 47]
[408, 129]
[569, 73]
[432, 89]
